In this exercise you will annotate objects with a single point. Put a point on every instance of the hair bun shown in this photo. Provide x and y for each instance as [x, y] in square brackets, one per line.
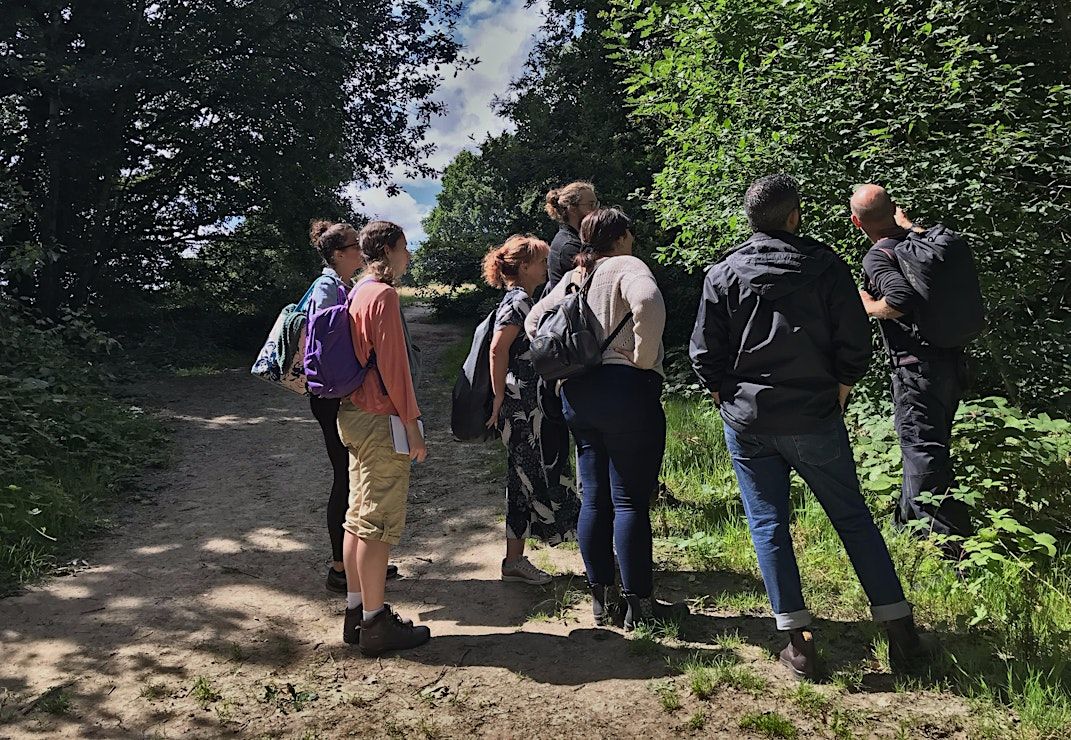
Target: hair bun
[318, 228]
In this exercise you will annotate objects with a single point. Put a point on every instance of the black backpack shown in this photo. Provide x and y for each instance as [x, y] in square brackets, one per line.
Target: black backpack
[569, 339]
[939, 265]
[472, 398]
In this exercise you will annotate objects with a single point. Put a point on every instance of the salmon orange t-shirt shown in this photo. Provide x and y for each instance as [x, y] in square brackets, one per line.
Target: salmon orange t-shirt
[376, 325]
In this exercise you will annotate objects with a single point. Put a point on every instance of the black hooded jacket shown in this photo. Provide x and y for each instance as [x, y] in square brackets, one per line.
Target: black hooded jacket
[563, 251]
[779, 326]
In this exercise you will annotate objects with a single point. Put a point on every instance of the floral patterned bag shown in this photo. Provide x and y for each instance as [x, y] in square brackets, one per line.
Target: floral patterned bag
[282, 358]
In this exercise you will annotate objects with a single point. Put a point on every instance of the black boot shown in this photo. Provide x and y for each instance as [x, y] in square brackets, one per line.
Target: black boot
[649, 609]
[604, 604]
[907, 650]
[387, 631]
[800, 656]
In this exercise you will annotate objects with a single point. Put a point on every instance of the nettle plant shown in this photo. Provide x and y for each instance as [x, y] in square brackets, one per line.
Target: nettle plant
[1014, 471]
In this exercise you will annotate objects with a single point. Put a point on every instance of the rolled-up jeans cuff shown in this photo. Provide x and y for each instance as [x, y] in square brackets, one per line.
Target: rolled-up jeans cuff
[793, 620]
[889, 612]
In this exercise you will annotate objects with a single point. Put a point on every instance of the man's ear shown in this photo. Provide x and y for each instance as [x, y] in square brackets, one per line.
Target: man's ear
[857, 222]
[793, 221]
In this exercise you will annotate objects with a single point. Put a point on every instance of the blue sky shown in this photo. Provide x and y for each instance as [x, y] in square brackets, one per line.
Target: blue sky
[500, 33]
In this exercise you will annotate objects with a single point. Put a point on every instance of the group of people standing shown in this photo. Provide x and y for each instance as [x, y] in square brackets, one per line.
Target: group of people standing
[780, 338]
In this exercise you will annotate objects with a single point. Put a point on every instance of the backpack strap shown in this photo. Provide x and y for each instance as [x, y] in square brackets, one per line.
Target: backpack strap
[615, 332]
[304, 302]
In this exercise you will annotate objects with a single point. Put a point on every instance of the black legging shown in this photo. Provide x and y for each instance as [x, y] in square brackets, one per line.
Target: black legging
[326, 412]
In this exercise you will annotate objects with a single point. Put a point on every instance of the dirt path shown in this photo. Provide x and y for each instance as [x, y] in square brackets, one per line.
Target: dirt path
[203, 613]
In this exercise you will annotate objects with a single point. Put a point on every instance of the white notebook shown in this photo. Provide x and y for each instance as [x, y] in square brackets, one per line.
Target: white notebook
[398, 436]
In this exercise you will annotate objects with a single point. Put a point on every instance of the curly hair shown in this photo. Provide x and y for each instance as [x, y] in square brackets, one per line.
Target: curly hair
[328, 237]
[504, 262]
[559, 200]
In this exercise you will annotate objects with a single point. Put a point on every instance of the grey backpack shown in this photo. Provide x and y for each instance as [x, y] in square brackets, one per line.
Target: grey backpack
[569, 339]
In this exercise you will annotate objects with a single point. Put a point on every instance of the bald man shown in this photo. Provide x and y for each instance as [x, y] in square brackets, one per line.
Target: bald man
[927, 381]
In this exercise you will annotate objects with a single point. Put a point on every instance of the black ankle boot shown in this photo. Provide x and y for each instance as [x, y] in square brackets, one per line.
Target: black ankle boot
[648, 609]
[907, 650]
[604, 604]
[800, 655]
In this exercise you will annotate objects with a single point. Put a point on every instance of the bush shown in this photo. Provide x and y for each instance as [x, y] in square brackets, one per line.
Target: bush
[67, 446]
[959, 107]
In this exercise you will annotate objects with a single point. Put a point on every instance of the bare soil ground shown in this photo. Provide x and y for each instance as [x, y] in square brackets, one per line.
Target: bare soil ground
[203, 612]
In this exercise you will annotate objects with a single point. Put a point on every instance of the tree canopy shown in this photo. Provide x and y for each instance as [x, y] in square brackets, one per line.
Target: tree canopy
[134, 131]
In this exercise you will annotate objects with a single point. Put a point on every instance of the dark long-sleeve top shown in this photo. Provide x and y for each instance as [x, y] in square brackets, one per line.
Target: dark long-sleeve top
[779, 326]
[562, 258]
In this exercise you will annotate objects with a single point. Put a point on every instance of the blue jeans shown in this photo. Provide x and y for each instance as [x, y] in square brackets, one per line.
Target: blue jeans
[615, 414]
[824, 461]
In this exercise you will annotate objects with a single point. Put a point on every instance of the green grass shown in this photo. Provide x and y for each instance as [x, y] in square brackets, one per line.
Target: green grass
[812, 702]
[668, 697]
[770, 724]
[453, 358]
[1024, 616]
[698, 720]
[203, 692]
[706, 676]
[56, 702]
[557, 606]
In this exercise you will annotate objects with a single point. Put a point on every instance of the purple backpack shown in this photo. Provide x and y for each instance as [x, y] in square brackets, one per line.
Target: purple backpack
[332, 369]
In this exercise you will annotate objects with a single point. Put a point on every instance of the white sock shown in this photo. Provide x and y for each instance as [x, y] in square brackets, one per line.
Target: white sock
[353, 600]
[369, 614]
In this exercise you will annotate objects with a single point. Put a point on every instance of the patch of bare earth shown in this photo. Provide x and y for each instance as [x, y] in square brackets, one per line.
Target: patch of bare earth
[203, 612]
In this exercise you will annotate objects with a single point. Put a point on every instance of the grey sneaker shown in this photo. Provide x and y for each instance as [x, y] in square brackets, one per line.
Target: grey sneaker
[522, 571]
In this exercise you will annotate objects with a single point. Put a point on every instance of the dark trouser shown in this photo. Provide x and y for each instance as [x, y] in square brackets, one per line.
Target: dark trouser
[326, 412]
[926, 395]
[615, 414]
[824, 460]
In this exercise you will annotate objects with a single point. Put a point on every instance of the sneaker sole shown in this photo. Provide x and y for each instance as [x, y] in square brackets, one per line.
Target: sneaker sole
[522, 579]
[377, 653]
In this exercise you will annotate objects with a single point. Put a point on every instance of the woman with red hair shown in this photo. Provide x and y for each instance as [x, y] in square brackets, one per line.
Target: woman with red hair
[541, 499]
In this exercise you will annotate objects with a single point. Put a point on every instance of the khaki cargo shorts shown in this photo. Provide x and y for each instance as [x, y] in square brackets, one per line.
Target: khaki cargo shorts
[379, 476]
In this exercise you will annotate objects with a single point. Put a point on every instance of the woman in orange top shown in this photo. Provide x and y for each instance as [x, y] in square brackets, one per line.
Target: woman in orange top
[379, 476]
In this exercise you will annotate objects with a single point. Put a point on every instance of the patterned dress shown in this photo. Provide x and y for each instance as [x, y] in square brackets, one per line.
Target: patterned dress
[541, 498]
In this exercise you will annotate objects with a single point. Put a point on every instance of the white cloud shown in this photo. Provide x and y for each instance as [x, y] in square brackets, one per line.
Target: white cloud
[402, 209]
[501, 34]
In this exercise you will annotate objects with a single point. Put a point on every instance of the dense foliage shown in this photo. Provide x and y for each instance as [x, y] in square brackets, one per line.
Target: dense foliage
[960, 108]
[130, 132]
[66, 446]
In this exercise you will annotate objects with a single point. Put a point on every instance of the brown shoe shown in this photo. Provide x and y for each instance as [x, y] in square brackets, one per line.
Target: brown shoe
[908, 650]
[800, 655]
[387, 631]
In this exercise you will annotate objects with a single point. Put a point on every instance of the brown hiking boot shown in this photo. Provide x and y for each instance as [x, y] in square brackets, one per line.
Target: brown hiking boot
[907, 650]
[387, 631]
[800, 655]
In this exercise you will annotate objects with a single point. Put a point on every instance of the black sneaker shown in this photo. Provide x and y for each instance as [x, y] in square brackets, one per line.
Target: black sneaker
[649, 609]
[387, 631]
[336, 579]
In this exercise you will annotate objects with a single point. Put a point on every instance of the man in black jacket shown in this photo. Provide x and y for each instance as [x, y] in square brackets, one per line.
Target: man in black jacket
[780, 339]
[927, 381]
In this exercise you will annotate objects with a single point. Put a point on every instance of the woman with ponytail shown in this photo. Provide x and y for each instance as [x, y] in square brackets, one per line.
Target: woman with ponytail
[615, 413]
[541, 498]
[375, 422]
[336, 244]
[568, 205]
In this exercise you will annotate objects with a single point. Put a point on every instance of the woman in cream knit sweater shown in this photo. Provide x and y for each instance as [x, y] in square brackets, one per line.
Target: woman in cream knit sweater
[615, 413]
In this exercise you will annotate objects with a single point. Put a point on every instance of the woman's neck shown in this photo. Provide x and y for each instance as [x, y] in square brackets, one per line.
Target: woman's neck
[529, 289]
